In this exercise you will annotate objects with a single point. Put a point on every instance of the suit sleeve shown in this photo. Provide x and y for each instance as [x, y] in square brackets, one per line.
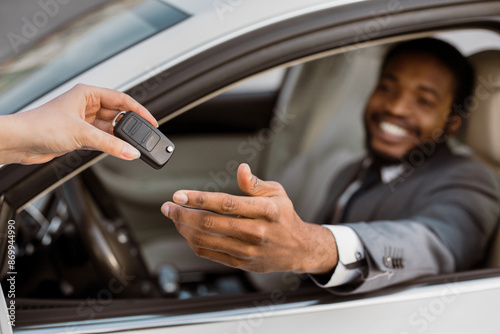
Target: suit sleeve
[452, 223]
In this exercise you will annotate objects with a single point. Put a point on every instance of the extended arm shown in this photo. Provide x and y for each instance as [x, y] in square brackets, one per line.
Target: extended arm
[262, 232]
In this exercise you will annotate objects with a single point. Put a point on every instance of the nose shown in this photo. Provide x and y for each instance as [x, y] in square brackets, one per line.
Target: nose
[399, 105]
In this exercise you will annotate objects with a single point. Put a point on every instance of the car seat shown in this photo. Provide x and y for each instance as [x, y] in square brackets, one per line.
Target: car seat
[481, 130]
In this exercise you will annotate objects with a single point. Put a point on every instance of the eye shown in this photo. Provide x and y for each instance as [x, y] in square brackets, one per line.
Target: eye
[383, 87]
[426, 102]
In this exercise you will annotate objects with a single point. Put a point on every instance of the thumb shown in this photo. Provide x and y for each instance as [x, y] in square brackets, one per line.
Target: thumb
[103, 141]
[253, 186]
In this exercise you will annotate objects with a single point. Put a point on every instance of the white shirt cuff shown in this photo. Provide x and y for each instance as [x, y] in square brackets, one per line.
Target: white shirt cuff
[350, 250]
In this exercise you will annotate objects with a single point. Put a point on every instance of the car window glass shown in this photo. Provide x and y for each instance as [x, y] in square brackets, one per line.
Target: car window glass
[80, 46]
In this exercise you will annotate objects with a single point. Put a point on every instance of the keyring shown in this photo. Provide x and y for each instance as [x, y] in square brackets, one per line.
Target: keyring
[116, 117]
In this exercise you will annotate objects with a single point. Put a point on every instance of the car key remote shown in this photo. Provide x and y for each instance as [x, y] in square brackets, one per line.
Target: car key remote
[156, 149]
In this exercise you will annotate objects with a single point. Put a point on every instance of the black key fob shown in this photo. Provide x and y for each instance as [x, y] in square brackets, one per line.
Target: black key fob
[156, 149]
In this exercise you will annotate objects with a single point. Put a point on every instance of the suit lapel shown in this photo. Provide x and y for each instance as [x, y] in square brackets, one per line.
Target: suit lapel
[367, 206]
[392, 198]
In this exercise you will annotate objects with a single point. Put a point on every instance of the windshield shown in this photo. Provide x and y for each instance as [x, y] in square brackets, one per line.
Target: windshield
[80, 46]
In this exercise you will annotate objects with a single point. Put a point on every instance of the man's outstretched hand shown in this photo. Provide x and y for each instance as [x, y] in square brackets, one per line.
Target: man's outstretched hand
[260, 232]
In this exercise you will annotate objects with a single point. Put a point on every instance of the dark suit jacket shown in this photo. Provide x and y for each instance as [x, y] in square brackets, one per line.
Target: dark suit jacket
[435, 218]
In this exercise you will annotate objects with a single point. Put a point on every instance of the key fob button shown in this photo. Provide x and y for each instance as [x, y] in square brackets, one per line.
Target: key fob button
[129, 127]
[150, 141]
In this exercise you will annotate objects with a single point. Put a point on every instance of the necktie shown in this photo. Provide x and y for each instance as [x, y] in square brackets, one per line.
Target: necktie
[369, 177]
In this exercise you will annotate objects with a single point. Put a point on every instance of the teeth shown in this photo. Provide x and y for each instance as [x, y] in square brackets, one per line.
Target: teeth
[393, 129]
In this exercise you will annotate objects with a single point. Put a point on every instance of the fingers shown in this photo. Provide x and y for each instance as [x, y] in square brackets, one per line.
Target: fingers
[106, 104]
[257, 206]
[209, 222]
[114, 100]
[124, 102]
[253, 186]
[237, 249]
[202, 242]
[224, 250]
[107, 114]
[223, 258]
[105, 126]
[93, 137]
[249, 207]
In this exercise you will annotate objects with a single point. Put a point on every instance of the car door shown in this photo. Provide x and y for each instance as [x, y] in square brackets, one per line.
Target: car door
[443, 303]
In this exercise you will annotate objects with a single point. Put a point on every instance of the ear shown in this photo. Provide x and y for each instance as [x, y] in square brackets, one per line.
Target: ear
[454, 123]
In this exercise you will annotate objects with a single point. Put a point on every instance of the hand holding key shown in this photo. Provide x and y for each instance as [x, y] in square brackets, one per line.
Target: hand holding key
[78, 119]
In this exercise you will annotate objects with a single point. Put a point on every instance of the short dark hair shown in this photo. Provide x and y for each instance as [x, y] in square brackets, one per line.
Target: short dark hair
[450, 57]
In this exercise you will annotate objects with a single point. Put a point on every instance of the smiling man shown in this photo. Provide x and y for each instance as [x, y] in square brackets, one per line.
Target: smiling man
[418, 95]
[375, 232]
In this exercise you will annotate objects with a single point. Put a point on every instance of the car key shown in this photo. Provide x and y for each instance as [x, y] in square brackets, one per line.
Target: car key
[156, 149]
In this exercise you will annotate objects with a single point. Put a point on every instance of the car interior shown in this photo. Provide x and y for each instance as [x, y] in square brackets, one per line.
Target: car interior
[296, 124]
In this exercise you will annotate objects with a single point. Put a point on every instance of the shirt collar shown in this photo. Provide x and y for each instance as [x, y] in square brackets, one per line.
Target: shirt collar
[387, 173]
[390, 173]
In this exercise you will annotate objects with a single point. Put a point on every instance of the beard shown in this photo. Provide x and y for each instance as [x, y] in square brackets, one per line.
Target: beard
[381, 159]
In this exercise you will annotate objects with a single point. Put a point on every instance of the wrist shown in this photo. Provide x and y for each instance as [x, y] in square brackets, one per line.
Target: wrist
[11, 139]
[322, 256]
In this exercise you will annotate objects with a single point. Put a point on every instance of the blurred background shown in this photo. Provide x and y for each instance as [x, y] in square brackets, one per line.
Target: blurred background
[23, 23]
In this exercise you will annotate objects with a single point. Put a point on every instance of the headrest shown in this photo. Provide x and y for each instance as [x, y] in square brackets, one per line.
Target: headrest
[482, 132]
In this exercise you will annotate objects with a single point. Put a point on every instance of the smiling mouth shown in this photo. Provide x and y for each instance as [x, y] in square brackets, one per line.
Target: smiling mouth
[393, 129]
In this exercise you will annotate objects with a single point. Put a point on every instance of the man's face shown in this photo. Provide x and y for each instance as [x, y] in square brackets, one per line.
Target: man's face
[410, 104]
